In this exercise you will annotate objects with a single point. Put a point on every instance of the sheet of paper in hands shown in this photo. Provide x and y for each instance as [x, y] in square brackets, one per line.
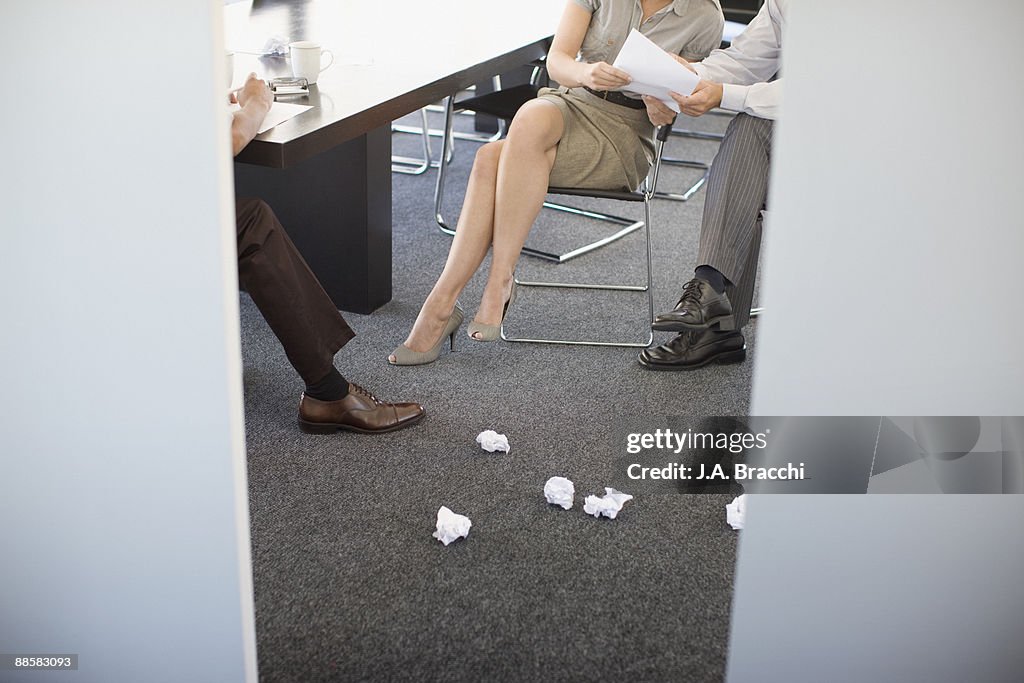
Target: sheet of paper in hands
[608, 505]
[450, 526]
[654, 71]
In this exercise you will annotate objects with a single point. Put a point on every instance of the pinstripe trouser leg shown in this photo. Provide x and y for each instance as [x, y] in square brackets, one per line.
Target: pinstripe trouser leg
[730, 234]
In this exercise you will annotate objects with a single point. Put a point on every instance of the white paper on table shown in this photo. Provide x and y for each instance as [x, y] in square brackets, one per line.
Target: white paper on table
[654, 71]
[608, 505]
[279, 113]
[492, 441]
[450, 526]
[559, 491]
[736, 512]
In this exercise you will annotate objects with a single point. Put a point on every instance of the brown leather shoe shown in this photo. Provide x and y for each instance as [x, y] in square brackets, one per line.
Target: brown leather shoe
[360, 411]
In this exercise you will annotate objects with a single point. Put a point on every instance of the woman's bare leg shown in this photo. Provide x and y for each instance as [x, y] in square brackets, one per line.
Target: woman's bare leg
[469, 246]
[522, 182]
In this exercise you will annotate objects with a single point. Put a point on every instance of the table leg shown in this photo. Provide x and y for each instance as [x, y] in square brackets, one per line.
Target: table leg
[336, 207]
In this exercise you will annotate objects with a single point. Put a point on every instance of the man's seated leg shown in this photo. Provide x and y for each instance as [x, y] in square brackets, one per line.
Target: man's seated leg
[715, 304]
[309, 327]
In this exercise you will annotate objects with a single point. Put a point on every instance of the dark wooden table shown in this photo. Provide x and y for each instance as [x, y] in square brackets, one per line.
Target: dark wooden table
[327, 172]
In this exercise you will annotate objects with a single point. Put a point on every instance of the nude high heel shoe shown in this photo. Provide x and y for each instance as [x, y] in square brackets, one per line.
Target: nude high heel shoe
[488, 333]
[406, 356]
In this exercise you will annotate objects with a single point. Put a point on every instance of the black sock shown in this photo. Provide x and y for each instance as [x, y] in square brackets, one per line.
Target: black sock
[333, 387]
[712, 276]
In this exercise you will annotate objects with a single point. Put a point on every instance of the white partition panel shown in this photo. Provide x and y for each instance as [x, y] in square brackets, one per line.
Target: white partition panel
[893, 278]
[893, 286]
[123, 501]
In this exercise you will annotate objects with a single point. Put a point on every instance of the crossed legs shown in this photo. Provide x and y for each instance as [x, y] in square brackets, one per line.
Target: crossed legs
[505, 193]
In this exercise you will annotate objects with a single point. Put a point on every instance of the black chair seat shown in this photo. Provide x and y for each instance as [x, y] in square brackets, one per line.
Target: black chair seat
[622, 196]
[503, 103]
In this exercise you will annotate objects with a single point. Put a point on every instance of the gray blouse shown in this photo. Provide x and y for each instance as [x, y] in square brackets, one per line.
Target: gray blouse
[689, 28]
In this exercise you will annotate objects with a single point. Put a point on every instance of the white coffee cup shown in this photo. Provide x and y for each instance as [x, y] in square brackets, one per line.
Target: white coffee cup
[307, 59]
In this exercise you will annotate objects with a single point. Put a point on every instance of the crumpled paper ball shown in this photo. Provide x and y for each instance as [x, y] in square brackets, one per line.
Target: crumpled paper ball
[608, 505]
[736, 512]
[492, 441]
[275, 46]
[559, 491]
[450, 526]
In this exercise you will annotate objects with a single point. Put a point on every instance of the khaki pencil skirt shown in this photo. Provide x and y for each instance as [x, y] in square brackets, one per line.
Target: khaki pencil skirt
[605, 146]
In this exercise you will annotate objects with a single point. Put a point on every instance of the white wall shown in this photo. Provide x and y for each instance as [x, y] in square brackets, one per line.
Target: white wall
[893, 286]
[123, 500]
[879, 589]
[894, 248]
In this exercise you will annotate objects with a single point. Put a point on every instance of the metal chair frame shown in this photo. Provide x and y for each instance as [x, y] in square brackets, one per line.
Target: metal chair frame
[646, 194]
[417, 165]
[755, 312]
[458, 135]
[413, 165]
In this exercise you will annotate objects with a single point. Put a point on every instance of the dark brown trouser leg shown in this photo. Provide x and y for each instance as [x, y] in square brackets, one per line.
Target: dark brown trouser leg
[300, 313]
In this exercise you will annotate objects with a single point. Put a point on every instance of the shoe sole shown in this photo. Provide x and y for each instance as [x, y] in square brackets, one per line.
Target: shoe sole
[727, 358]
[332, 428]
[723, 323]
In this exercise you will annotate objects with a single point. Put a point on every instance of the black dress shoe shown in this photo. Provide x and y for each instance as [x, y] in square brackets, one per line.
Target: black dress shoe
[694, 349]
[360, 411]
[699, 308]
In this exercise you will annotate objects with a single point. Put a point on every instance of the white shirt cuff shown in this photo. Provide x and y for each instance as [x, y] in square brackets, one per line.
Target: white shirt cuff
[734, 97]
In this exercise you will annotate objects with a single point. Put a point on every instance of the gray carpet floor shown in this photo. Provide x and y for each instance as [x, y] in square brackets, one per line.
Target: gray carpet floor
[349, 583]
